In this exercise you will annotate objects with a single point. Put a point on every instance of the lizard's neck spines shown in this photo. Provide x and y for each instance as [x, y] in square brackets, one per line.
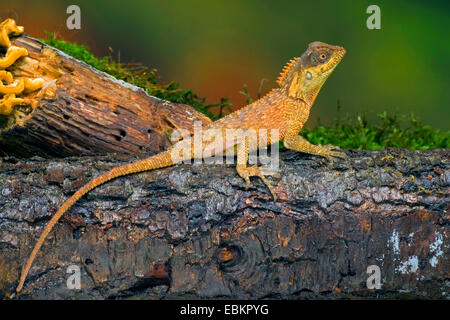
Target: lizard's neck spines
[287, 72]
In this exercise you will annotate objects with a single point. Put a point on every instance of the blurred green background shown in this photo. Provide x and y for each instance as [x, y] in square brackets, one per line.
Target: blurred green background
[215, 47]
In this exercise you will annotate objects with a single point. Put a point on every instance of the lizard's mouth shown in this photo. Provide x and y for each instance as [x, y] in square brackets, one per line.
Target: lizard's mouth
[334, 61]
[340, 52]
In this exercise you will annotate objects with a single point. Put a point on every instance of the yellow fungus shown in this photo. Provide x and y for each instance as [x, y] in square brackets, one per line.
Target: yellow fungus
[8, 102]
[6, 28]
[33, 84]
[11, 56]
[16, 87]
[9, 87]
[6, 76]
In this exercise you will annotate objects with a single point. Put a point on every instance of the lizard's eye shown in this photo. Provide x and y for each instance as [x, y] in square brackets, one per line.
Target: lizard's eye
[323, 57]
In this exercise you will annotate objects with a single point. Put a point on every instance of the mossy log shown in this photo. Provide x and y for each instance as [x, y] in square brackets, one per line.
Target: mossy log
[84, 111]
[193, 231]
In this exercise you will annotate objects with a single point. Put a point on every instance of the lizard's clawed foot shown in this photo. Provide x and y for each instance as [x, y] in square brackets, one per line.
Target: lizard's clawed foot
[255, 171]
[328, 151]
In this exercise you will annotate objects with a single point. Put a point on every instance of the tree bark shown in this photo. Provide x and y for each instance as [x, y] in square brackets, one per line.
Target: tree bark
[85, 111]
[193, 231]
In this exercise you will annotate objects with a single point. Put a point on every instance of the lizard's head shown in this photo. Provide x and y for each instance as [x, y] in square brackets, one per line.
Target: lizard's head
[303, 77]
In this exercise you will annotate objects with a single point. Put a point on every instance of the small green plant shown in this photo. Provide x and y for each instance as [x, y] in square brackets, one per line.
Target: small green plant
[223, 105]
[137, 75]
[246, 94]
[391, 130]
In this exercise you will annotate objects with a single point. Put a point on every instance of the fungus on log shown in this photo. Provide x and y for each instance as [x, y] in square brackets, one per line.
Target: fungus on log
[194, 231]
[69, 108]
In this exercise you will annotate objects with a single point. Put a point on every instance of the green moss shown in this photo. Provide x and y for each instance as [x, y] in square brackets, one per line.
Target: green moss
[141, 76]
[391, 130]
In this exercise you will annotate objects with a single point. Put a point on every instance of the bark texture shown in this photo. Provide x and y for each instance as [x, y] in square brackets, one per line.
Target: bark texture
[193, 231]
[84, 111]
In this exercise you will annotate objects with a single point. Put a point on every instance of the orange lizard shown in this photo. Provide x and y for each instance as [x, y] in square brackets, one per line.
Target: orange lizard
[285, 109]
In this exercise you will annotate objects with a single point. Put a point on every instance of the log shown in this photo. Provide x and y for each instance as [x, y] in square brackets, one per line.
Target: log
[84, 111]
[193, 231]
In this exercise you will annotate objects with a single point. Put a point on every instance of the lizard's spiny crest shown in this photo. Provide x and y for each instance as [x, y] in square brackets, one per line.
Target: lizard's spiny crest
[286, 69]
[303, 77]
[319, 55]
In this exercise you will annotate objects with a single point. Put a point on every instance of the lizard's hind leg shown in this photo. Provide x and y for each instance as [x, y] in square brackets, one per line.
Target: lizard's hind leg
[247, 172]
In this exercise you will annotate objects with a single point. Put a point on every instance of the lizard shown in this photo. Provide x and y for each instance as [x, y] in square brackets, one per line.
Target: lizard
[285, 108]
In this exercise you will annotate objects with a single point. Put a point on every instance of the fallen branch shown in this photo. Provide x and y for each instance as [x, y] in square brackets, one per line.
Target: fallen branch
[194, 231]
[81, 110]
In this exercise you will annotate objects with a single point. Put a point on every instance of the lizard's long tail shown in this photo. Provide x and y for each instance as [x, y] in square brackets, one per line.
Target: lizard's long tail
[158, 161]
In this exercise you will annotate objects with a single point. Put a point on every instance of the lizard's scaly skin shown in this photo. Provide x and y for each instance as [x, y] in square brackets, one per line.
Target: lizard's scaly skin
[286, 109]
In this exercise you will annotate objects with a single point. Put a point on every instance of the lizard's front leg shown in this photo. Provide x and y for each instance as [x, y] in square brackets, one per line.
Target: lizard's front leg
[247, 172]
[298, 143]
